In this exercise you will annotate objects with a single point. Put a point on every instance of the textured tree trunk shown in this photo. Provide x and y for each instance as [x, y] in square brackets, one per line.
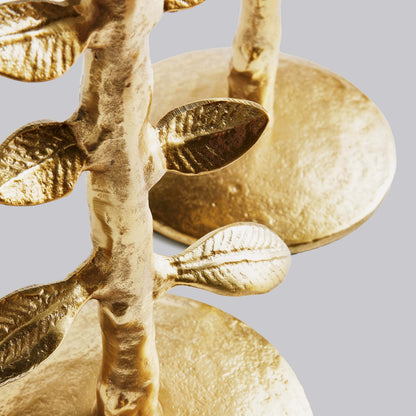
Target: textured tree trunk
[255, 52]
[116, 131]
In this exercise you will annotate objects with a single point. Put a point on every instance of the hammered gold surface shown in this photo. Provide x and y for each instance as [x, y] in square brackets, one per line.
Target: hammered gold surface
[211, 365]
[236, 260]
[40, 41]
[208, 135]
[323, 170]
[39, 163]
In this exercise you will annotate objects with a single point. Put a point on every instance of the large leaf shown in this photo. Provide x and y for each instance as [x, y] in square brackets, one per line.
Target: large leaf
[40, 41]
[39, 163]
[33, 323]
[175, 5]
[237, 260]
[207, 135]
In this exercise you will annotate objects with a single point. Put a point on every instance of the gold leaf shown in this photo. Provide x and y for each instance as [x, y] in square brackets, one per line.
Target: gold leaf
[175, 5]
[40, 41]
[39, 163]
[33, 322]
[207, 135]
[236, 260]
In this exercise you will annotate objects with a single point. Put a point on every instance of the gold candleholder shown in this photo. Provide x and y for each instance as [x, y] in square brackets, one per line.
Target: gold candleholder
[52, 359]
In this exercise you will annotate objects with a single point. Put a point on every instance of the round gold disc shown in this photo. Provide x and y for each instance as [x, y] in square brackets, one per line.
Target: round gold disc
[321, 172]
[211, 364]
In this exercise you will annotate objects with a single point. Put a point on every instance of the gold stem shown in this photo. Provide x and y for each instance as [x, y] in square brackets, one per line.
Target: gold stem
[256, 52]
[112, 121]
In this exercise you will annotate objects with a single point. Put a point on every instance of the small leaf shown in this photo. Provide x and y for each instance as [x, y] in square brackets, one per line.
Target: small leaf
[207, 135]
[40, 41]
[39, 163]
[175, 5]
[33, 322]
[236, 260]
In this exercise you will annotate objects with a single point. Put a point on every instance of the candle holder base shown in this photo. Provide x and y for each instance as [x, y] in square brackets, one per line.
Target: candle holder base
[321, 170]
[210, 364]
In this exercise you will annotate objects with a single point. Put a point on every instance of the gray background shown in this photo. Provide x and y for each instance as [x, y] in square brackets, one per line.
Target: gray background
[344, 317]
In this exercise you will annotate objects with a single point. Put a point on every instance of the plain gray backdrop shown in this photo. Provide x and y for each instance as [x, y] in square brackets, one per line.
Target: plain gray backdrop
[344, 317]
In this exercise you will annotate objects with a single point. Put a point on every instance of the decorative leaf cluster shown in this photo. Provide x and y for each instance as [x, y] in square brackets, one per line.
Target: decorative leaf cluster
[41, 162]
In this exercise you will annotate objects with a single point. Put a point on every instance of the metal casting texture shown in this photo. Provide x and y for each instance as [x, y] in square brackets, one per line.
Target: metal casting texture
[110, 136]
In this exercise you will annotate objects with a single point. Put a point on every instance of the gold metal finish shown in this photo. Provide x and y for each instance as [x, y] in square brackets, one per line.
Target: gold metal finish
[236, 260]
[208, 135]
[111, 136]
[40, 41]
[211, 364]
[34, 321]
[175, 5]
[39, 163]
[255, 53]
[323, 169]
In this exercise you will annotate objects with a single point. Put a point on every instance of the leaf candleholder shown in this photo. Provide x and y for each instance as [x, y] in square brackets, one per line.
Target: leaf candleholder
[52, 358]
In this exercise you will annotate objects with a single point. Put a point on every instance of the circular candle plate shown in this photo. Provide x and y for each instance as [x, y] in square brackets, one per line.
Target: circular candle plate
[319, 172]
[210, 364]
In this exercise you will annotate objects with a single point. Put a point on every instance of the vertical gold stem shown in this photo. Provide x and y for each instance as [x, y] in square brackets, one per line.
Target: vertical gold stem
[113, 121]
[255, 52]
